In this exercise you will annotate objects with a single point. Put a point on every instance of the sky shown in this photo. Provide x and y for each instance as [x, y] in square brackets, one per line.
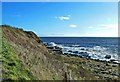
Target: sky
[59, 0]
[63, 19]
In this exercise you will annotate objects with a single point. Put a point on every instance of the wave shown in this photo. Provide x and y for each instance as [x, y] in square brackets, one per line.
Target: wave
[95, 52]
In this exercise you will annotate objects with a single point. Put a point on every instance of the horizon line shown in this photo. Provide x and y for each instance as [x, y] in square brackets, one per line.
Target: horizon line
[79, 36]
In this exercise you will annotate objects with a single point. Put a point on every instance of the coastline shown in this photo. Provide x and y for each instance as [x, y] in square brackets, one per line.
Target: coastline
[58, 49]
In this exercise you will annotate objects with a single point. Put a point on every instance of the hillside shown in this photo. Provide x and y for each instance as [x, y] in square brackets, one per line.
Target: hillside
[24, 57]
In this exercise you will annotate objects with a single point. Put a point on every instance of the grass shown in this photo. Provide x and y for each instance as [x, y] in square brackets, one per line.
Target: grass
[12, 66]
[0, 50]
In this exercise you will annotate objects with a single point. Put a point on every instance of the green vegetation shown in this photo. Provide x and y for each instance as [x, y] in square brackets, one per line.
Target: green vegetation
[12, 66]
[0, 51]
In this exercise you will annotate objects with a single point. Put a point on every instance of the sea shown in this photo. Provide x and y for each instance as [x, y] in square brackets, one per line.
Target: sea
[98, 48]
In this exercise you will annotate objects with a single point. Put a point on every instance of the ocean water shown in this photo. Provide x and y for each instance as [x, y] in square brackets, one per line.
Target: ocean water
[93, 47]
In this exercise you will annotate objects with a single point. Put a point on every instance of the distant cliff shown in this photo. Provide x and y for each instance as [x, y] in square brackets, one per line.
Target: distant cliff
[24, 57]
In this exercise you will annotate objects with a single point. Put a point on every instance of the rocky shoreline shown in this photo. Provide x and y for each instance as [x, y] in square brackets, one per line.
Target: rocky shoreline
[53, 47]
[106, 69]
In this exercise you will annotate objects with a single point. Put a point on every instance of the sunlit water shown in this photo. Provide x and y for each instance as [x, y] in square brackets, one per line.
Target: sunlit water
[93, 47]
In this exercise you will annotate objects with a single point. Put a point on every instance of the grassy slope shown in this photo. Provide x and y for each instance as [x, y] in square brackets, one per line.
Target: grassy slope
[13, 68]
[24, 48]
[0, 52]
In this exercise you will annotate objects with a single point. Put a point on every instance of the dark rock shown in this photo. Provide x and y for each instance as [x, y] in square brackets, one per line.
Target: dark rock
[50, 47]
[81, 52]
[76, 52]
[66, 54]
[69, 50]
[82, 49]
[108, 56]
[98, 65]
[114, 65]
[107, 64]
[112, 60]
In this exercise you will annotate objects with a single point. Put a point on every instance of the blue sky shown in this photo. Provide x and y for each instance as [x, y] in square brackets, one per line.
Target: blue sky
[76, 19]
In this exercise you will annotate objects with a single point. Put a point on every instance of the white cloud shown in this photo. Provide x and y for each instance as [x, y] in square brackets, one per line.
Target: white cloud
[73, 26]
[104, 30]
[109, 26]
[64, 17]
